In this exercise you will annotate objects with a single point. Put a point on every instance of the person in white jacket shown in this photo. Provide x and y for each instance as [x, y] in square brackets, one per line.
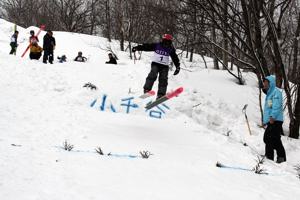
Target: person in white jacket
[14, 43]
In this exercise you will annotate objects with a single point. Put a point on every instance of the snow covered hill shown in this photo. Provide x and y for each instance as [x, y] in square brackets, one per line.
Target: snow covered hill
[41, 106]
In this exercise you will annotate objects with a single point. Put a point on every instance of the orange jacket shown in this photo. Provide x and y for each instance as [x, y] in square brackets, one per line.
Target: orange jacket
[36, 49]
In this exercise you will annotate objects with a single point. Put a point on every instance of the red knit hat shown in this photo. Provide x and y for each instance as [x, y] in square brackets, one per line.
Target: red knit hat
[167, 37]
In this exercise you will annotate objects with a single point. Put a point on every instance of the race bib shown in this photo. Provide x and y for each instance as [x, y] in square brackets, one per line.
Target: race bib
[161, 59]
[161, 55]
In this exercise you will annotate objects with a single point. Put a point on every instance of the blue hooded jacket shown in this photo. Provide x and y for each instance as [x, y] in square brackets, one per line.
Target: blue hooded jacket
[273, 102]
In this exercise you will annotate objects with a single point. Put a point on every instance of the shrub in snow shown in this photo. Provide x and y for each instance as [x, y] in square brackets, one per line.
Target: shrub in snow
[67, 146]
[228, 133]
[260, 159]
[90, 85]
[99, 151]
[145, 154]
[258, 169]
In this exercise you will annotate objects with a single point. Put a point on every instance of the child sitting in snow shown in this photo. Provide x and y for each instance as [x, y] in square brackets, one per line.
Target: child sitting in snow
[80, 58]
[62, 59]
[112, 59]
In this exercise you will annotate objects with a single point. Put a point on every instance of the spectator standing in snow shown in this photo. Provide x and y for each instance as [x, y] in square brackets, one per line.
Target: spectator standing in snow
[273, 119]
[80, 58]
[14, 43]
[160, 63]
[49, 46]
[112, 59]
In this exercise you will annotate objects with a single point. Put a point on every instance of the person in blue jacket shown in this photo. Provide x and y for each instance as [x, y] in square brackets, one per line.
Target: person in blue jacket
[273, 120]
[160, 63]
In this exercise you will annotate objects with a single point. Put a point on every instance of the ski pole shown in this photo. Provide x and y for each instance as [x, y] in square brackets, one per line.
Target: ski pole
[244, 111]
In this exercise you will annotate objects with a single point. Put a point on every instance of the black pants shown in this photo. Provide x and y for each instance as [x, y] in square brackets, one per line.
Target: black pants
[162, 71]
[272, 139]
[13, 48]
[35, 56]
[48, 55]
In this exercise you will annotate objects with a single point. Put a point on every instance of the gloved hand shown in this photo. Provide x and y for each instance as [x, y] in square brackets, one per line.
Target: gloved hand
[176, 71]
[134, 49]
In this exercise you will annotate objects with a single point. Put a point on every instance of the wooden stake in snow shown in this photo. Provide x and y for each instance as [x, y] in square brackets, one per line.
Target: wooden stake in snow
[244, 111]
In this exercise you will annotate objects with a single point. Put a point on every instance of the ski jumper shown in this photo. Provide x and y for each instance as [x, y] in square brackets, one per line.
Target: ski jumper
[159, 65]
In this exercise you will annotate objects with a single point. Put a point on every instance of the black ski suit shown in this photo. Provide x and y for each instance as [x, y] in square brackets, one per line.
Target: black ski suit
[159, 65]
[112, 60]
[272, 139]
[48, 46]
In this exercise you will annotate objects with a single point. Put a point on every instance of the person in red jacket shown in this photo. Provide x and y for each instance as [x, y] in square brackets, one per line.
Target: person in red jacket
[33, 39]
[160, 63]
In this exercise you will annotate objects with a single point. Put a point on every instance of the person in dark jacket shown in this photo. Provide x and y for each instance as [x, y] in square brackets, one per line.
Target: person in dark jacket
[273, 119]
[160, 63]
[112, 60]
[49, 46]
[80, 58]
[14, 43]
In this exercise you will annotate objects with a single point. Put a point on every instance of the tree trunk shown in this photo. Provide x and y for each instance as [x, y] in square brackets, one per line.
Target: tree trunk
[130, 47]
[120, 18]
[293, 74]
[295, 123]
[122, 39]
[250, 16]
[257, 7]
[225, 40]
[187, 48]
[215, 53]
[191, 55]
[108, 21]
[203, 58]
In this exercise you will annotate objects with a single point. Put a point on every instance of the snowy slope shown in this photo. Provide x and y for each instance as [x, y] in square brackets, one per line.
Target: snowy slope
[41, 106]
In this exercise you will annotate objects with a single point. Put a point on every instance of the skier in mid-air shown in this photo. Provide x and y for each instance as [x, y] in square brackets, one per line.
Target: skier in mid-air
[160, 63]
